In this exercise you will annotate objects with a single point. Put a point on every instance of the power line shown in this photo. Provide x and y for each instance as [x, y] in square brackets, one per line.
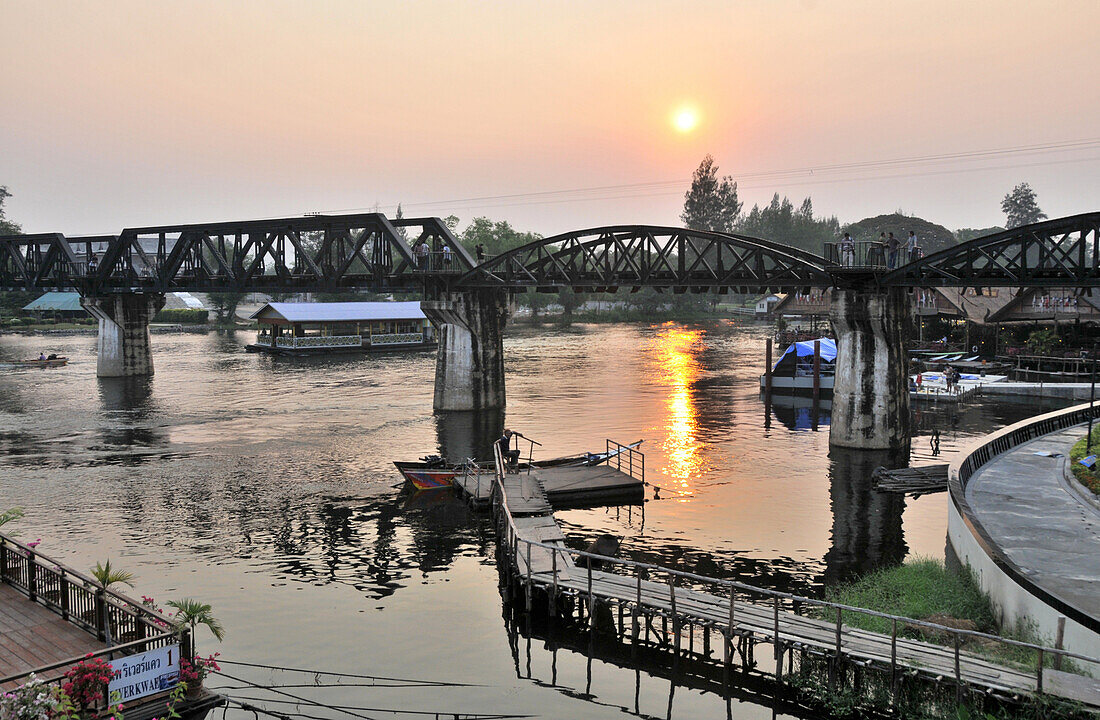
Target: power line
[573, 194]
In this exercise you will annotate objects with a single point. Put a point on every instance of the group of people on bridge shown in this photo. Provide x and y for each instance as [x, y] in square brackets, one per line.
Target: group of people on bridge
[422, 256]
[888, 251]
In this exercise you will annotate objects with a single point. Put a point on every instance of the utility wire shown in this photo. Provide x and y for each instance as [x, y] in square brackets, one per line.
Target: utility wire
[812, 170]
[309, 671]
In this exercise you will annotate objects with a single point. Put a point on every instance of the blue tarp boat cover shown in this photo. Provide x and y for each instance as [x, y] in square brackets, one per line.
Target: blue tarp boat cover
[806, 348]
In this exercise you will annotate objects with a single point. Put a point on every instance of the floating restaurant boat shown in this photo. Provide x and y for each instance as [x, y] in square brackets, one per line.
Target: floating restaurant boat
[432, 472]
[324, 328]
[794, 371]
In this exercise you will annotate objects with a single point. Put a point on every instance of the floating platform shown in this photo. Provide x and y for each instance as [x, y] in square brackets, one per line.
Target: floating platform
[617, 481]
[562, 487]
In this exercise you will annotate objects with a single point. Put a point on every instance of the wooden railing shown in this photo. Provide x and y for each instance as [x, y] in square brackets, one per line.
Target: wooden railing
[319, 341]
[741, 597]
[125, 624]
[397, 339]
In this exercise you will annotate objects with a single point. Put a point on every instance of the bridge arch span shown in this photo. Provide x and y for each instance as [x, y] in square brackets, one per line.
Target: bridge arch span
[606, 258]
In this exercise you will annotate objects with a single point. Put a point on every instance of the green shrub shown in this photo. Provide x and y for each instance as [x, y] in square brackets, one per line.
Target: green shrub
[1088, 478]
[181, 315]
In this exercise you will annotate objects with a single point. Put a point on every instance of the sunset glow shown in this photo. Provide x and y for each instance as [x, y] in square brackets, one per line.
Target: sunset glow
[678, 368]
[685, 120]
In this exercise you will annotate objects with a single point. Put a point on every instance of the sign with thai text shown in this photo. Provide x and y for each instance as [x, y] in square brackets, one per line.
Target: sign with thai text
[135, 676]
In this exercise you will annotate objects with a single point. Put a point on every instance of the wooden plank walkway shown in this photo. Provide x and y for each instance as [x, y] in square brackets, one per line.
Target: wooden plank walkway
[32, 636]
[555, 571]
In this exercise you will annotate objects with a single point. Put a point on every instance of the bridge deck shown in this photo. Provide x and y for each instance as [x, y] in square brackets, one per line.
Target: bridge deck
[545, 566]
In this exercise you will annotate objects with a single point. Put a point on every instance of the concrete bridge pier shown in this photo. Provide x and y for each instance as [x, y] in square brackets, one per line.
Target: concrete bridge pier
[871, 386]
[123, 348]
[469, 367]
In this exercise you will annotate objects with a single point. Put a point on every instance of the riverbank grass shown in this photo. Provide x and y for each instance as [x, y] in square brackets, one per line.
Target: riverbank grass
[921, 589]
[1089, 478]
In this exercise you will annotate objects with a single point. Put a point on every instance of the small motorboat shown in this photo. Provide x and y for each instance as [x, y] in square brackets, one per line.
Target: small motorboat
[433, 472]
[49, 362]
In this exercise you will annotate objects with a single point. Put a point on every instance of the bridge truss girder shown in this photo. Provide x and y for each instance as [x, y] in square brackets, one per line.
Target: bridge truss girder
[636, 256]
[312, 253]
[1064, 252]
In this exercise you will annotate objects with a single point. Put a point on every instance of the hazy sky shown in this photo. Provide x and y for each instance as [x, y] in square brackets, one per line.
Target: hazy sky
[119, 114]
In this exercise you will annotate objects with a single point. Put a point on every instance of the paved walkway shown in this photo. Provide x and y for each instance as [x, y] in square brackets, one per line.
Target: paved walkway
[1027, 507]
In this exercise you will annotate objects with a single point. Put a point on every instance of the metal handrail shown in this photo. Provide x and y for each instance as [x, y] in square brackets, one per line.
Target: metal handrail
[512, 541]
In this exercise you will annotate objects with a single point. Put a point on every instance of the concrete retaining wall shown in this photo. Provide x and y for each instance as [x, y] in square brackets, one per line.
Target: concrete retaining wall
[1015, 597]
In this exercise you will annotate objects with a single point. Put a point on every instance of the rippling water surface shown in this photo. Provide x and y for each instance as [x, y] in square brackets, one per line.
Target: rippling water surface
[265, 487]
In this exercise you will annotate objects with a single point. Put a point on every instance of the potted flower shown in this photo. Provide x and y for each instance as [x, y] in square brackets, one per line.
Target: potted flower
[33, 700]
[194, 670]
[86, 683]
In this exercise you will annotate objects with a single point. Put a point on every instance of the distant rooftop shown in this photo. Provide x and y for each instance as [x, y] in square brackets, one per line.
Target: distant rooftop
[58, 302]
[341, 311]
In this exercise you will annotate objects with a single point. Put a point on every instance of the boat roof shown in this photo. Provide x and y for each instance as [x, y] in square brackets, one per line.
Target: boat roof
[806, 347]
[341, 311]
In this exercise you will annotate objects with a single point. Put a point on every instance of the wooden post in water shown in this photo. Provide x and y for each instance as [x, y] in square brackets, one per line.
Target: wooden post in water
[778, 647]
[817, 372]
[768, 372]
[675, 617]
[768, 385]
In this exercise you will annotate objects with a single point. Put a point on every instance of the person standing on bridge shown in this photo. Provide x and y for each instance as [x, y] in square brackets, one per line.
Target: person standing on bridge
[480, 250]
[447, 256]
[912, 250]
[420, 252]
[892, 251]
[847, 250]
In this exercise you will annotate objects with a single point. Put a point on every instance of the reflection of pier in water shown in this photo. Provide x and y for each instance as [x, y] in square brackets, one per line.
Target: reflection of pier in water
[697, 667]
[867, 530]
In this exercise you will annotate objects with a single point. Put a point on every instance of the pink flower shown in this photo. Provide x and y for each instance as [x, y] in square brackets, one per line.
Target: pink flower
[34, 544]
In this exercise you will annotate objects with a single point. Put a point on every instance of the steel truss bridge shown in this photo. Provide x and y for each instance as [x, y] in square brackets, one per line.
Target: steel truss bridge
[323, 253]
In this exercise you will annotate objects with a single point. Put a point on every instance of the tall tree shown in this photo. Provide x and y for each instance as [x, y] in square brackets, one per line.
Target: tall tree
[7, 227]
[11, 302]
[711, 203]
[1020, 207]
[780, 222]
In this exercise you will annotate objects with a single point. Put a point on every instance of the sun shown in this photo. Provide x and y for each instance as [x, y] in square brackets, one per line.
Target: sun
[685, 119]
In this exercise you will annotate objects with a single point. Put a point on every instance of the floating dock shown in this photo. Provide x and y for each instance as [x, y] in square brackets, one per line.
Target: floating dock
[619, 480]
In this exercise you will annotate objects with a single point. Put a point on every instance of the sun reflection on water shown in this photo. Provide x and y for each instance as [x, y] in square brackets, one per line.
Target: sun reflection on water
[676, 365]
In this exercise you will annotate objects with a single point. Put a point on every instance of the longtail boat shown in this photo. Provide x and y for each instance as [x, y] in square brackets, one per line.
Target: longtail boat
[51, 362]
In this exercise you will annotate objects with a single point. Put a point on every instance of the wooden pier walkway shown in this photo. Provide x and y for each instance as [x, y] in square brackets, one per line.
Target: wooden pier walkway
[31, 636]
[53, 617]
[535, 552]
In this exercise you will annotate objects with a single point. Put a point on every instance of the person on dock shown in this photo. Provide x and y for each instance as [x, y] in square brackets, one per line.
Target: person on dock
[510, 456]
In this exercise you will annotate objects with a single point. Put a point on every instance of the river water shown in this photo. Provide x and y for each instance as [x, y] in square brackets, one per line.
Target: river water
[264, 486]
